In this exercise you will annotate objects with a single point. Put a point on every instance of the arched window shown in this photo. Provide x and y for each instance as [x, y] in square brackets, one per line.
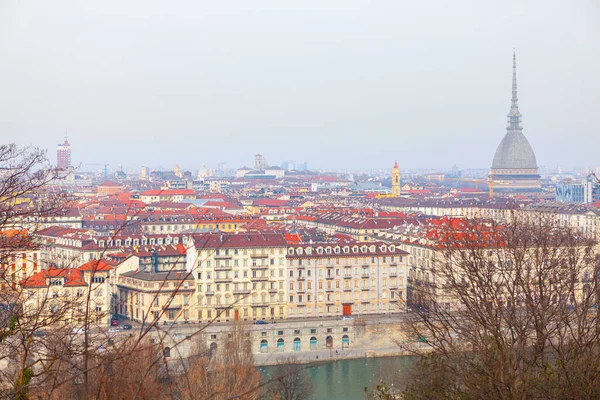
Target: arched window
[280, 345]
[329, 342]
[264, 346]
[345, 342]
[297, 344]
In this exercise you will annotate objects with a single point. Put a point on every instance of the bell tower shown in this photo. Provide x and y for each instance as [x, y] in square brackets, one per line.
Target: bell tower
[396, 181]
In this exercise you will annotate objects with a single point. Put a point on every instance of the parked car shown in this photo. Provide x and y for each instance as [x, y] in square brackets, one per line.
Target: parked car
[113, 330]
[39, 333]
[79, 331]
[346, 317]
[114, 322]
[261, 322]
[126, 326]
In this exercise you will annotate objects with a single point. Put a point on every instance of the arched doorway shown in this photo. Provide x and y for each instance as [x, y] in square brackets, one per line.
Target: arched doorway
[167, 352]
[280, 345]
[345, 342]
[329, 342]
[264, 346]
[213, 349]
[313, 343]
[297, 344]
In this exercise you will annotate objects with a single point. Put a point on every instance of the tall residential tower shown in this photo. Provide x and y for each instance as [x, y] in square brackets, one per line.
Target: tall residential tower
[63, 155]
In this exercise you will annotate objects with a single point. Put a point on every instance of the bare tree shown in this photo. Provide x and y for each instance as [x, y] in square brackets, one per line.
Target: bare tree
[291, 381]
[512, 314]
[225, 372]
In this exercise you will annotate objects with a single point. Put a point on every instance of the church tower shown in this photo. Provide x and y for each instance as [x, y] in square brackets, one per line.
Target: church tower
[396, 181]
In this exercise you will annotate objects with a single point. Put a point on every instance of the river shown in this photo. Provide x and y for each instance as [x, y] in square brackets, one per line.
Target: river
[346, 379]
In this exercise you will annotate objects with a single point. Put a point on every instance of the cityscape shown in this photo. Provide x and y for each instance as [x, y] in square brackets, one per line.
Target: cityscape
[293, 275]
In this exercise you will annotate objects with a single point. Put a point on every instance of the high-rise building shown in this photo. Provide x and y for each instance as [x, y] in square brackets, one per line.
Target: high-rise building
[63, 155]
[584, 191]
[514, 169]
[396, 181]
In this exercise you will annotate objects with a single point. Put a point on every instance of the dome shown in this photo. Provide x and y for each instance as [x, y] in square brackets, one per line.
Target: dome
[514, 152]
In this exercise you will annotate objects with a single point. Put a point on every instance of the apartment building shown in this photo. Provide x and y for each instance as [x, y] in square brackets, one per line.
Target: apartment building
[238, 276]
[345, 278]
[161, 297]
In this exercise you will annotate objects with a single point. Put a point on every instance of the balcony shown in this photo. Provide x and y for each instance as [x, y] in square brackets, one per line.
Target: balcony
[259, 278]
[272, 291]
[366, 276]
[329, 277]
[241, 291]
[259, 267]
[209, 293]
[329, 289]
[259, 305]
[301, 278]
[223, 257]
[222, 280]
[259, 255]
[393, 274]
[365, 289]
[347, 276]
[223, 268]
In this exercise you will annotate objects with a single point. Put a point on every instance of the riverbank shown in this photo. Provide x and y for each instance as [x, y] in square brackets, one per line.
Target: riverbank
[316, 356]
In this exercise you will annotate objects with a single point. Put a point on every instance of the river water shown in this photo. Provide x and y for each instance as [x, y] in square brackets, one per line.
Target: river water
[346, 379]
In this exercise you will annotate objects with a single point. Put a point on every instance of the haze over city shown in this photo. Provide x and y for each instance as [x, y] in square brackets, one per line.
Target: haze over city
[340, 84]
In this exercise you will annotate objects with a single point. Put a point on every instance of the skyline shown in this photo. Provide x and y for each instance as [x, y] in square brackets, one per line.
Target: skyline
[193, 85]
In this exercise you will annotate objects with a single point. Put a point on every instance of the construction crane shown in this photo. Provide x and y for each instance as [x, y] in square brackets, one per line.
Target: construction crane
[105, 165]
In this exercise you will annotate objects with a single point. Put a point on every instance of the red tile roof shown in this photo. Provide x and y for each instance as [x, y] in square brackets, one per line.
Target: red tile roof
[97, 265]
[72, 277]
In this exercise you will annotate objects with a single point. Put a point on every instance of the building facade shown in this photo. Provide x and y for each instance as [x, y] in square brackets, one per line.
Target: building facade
[238, 276]
[346, 278]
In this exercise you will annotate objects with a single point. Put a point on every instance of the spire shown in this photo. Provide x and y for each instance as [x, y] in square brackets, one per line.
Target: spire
[514, 116]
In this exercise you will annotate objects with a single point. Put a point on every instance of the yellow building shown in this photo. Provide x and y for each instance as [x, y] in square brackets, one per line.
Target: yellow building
[396, 187]
[238, 276]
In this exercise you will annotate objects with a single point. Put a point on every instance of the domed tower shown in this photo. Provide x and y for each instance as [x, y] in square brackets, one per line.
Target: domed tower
[396, 181]
[514, 169]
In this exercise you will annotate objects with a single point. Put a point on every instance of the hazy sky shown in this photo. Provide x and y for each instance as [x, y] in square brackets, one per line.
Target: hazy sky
[355, 84]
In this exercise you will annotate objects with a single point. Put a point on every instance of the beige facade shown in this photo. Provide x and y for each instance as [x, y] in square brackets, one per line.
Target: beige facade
[238, 276]
[156, 297]
[349, 278]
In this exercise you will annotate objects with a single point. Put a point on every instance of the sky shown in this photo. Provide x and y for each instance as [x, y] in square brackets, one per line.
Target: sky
[337, 83]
